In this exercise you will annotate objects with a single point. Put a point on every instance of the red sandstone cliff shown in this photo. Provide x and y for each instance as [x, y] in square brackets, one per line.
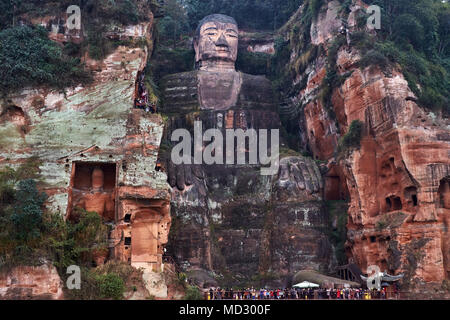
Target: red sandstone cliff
[398, 181]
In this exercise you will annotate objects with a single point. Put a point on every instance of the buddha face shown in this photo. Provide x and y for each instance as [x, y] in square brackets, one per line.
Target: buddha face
[97, 178]
[217, 41]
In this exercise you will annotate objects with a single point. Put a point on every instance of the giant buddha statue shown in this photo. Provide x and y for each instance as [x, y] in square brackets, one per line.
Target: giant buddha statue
[229, 198]
[215, 84]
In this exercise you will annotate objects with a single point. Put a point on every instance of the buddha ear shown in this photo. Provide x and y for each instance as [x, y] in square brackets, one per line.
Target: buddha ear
[197, 51]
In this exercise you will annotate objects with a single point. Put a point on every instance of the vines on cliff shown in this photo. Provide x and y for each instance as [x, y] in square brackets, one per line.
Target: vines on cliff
[29, 58]
[415, 36]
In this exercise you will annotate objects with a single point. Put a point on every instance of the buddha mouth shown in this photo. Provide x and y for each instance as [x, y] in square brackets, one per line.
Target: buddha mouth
[223, 49]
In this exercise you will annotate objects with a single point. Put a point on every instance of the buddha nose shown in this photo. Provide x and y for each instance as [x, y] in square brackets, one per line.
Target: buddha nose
[222, 42]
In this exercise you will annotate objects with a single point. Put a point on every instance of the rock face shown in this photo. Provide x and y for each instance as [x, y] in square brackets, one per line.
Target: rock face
[397, 182]
[31, 283]
[98, 152]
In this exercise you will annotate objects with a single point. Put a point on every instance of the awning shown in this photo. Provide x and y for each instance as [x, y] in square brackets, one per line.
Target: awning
[306, 284]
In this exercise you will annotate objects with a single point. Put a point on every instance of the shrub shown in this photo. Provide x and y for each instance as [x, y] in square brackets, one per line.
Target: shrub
[256, 63]
[28, 57]
[111, 286]
[352, 139]
[315, 7]
[169, 61]
[27, 212]
[193, 293]
[181, 279]
[337, 230]
[29, 234]
[374, 58]
[408, 28]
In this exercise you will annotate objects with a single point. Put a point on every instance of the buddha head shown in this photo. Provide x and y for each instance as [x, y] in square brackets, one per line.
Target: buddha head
[216, 43]
[97, 178]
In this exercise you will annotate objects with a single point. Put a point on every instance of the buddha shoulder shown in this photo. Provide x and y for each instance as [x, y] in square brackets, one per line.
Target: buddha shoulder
[180, 91]
[256, 93]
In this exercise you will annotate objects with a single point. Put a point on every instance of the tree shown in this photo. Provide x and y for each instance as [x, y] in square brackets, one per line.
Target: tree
[28, 57]
[444, 30]
[27, 216]
[175, 22]
[249, 14]
[408, 28]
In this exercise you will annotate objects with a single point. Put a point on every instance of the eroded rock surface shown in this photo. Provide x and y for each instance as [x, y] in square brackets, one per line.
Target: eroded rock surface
[31, 283]
[397, 182]
[98, 152]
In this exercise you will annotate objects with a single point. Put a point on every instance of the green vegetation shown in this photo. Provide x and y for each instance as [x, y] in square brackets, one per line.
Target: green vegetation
[108, 11]
[352, 139]
[193, 293]
[111, 286]
[167, 61]
[316, 5]
[249, 14]
[29, 58]
[283, 72]
[414, 255]
[337, 233]
[415, 36]
[253, 62]
[30, 234]
[174, 25]
[332, 79]
[286, 152]
[390, 221]
[109, 281]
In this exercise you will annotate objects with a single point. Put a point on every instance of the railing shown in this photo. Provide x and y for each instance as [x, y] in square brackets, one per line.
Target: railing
[248, 295]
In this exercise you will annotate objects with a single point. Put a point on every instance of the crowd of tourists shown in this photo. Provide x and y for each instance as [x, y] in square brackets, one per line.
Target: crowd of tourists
[295, 294]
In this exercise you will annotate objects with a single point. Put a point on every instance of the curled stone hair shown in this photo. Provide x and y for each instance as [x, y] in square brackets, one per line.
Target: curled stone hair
[212, 18]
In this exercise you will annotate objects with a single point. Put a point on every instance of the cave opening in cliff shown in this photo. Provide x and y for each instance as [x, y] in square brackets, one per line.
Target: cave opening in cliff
[414, 199]
[444, 193]
[93, 188]
[396, 203]
[411, 196]
[16, 115]
[388, 204]
[127, 218]
[333, 188]
[393, 203]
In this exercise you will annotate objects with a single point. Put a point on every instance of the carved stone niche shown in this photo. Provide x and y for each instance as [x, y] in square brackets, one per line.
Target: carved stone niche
[92, 188]
[444, 193]
[141, 232]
